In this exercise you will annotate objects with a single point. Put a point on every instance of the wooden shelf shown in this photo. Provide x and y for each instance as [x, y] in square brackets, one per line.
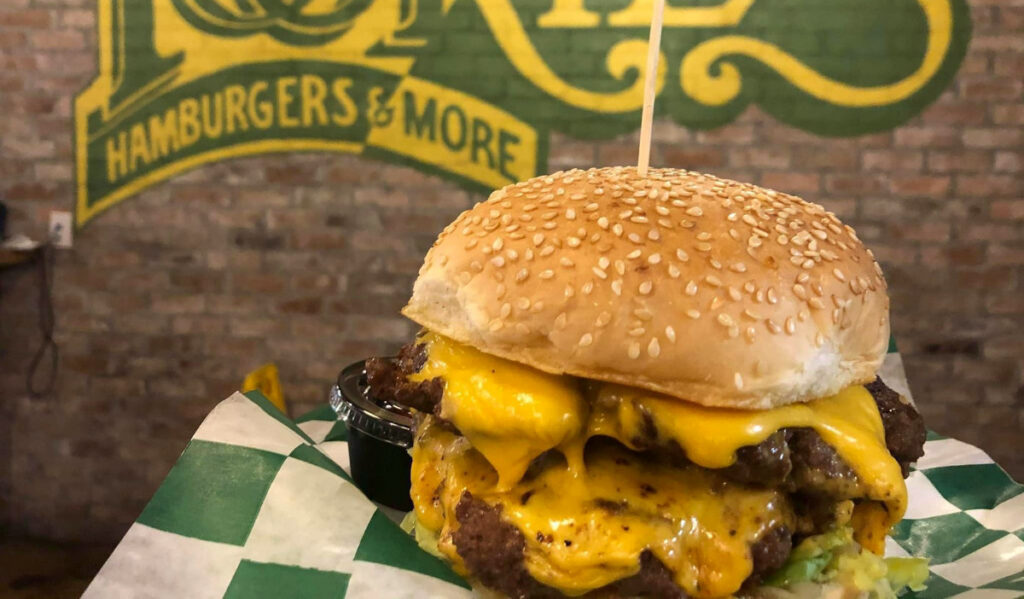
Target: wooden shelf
[14, 257]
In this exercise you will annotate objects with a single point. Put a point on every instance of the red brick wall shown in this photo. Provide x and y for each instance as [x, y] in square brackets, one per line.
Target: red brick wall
[171, 297]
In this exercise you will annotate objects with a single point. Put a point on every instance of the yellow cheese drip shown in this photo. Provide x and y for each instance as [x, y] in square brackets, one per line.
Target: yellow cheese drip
[584, 533]
[848, 421]
[511, 413]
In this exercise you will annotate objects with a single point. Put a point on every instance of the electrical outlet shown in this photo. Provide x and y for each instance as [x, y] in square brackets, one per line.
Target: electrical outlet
[61, 230]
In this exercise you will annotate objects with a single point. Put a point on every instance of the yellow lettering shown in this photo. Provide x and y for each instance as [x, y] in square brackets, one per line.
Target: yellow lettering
[314, 92]
[188, 122]
[213, 117]
[163, 134]
[284, 100]
[638, 14]
[349, 113]
[260, 113]
[139, 147]
[570, 13]
[117, 156]
[234, 100]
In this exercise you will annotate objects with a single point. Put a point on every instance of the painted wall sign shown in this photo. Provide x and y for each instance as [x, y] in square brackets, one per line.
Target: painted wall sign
[471, 89]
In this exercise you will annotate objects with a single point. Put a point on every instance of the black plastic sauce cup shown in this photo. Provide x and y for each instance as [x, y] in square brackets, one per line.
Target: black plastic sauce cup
[379, 437]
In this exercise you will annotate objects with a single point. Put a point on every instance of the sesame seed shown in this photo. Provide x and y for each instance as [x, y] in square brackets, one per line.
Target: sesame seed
[634, 238]
[703, 246]
[790, 325]
[512, 254]
[737, 379]
[839, 274]
[694, 211]
[754, 241]
[471, 244]
[573, 242]
[603, 319]
[546, 274]
[691, 288]
[617, 286]
[495, 325]
[566, 262]
[772, 298]
[682, 255]
[782, 239]
[749, 287]
[654, 348]
[653, 235]
[673, 271]
[774, 328]
[634, 350]
[800, 291]
[560, 321]
[716, 303]
[750, 333]
[735, 294]
[549, 225]
[603, 222]
[586, 340]
[645, 287]
[670, 333]
[498, 244]
[750, 220]
[603, 262]
[523, 303]
[713, 281]
[725, 320]
[694, 314]
[498, 261]
[620, 267]
[599, 272]
[654, 258]
[522, 275]
[587, 288]
[703, 236]
[732, 217]
[570, 214]
[547, 250]
[506, 309]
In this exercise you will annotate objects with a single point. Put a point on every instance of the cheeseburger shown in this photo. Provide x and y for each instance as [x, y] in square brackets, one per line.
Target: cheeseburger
[659, 386]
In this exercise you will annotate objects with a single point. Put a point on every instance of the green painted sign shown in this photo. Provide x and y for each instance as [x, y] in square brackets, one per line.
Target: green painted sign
[470, 89]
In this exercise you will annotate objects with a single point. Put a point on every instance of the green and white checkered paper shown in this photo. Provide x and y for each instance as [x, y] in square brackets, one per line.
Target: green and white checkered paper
[259, 506]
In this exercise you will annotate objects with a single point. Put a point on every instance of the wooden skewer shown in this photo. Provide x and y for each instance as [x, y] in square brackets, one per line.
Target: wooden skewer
[650, 85]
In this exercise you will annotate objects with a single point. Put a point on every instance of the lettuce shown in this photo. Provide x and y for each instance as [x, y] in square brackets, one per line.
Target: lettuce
[425, 538]
[835, 557]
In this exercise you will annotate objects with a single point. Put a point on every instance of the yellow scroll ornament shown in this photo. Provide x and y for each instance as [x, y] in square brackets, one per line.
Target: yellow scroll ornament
[714, 90]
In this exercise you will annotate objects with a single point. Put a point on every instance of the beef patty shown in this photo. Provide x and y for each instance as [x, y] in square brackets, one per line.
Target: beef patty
[492, 550]
[796, 459]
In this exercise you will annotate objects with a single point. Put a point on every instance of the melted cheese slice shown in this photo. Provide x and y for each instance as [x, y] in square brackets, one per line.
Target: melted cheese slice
[585, 532]
[511, 414]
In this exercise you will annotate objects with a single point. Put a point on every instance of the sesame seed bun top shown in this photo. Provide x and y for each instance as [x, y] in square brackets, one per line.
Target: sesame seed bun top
[706, 289]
